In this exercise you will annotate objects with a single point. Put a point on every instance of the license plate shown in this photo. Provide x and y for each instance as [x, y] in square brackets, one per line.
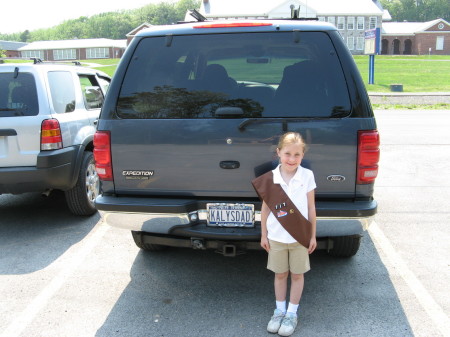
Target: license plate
[230, 215]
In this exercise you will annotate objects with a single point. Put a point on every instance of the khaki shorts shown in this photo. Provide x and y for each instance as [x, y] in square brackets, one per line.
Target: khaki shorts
[285, 257]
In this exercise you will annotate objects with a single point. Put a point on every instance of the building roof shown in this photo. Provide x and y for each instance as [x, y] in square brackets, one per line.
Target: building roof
[266, 8]
[409, 28]
[10, 45]
[75, 44]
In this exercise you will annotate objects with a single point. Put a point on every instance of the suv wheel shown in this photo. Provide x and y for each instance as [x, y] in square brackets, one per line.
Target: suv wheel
[345, 246]
[81, 197]
[138, 240]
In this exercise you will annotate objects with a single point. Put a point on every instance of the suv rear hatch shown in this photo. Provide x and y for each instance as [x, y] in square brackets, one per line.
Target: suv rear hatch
[200, 115]
[19, 124]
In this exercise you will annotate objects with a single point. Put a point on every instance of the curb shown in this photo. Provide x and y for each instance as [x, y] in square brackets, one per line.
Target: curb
[409, 97]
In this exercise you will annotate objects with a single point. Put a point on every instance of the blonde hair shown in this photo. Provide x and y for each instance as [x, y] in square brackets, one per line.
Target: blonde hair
[291, 138]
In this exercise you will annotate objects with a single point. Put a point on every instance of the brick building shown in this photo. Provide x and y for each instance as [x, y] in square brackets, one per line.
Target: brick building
[11, 49]
[416, 38]
[82, 49]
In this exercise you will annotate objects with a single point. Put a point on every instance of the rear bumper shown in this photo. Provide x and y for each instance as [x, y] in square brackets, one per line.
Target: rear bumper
[187, 218]
[54, 170]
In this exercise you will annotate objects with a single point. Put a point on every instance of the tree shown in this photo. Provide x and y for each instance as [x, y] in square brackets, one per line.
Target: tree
[25, 36]
[110, 25]
[417, 10]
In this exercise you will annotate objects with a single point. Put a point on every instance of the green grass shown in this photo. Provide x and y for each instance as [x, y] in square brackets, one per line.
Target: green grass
[110, 70]
[416, 73]
[107, 65]
[102, 61]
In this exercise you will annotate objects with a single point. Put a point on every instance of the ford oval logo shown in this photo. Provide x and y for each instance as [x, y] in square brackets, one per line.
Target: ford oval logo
[336, 177]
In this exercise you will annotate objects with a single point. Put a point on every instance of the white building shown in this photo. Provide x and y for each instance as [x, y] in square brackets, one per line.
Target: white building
[81, 49]
[351, 17]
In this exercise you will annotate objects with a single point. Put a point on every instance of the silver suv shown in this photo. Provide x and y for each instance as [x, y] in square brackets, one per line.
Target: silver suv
[48, 116]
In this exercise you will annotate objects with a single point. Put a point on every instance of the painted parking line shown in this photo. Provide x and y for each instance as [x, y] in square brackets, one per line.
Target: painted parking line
[71, 261]
[433, 309]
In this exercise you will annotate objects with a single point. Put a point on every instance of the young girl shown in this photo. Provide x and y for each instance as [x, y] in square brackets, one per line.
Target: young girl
[285, 253]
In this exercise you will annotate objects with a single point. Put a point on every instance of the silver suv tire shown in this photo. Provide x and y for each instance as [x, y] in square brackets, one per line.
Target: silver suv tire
[81, 198]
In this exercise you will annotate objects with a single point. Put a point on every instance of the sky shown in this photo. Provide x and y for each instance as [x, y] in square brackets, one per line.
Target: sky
[17, 16]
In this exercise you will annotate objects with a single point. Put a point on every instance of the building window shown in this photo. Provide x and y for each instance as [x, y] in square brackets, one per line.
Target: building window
[321, 18]
[360, 23]
[373, 22]
[350, 23]
[33, 53]
[351, 42]
[332, 19]
[64, 54]
[440, 43]
[360, 43]
[97, 53]
[341, 23]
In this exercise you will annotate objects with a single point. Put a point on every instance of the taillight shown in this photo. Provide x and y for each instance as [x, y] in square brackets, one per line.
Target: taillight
[51, 138]
[368, 156]
[102, 155]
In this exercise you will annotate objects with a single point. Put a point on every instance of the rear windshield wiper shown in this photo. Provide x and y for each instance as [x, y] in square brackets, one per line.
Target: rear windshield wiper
[338, 112]
[284, 121]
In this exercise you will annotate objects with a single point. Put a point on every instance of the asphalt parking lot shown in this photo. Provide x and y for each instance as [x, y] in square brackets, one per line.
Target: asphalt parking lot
[62, 275]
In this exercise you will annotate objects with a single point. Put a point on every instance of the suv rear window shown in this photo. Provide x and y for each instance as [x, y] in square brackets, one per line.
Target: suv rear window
[18, 95]
[279, 74]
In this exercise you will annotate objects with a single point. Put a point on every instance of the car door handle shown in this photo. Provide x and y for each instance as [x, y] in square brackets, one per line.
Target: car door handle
[230, 164]
[7, 132]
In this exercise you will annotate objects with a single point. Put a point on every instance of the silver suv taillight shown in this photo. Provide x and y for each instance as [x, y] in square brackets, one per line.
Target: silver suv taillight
[51, 138]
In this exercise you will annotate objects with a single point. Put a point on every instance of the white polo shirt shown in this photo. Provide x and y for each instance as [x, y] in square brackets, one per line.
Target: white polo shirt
[300, 184]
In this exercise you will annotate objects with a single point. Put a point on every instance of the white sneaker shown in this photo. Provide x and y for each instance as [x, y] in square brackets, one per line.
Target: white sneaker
[275, 321]
[288, 324]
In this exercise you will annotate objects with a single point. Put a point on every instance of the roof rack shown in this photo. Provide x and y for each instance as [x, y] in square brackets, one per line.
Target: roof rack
[295, 12]
[37, 60]
[294, 16]
[34, 59]
[196, 15]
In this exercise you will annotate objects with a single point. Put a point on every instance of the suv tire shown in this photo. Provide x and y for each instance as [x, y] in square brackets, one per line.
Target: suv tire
[137, 237]
[345, 246]
[80, 199]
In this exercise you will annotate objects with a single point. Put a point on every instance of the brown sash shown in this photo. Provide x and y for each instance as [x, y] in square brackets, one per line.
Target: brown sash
[283, 208]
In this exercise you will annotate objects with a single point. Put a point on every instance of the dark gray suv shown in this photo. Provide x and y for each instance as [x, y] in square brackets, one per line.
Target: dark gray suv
[194, 113]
